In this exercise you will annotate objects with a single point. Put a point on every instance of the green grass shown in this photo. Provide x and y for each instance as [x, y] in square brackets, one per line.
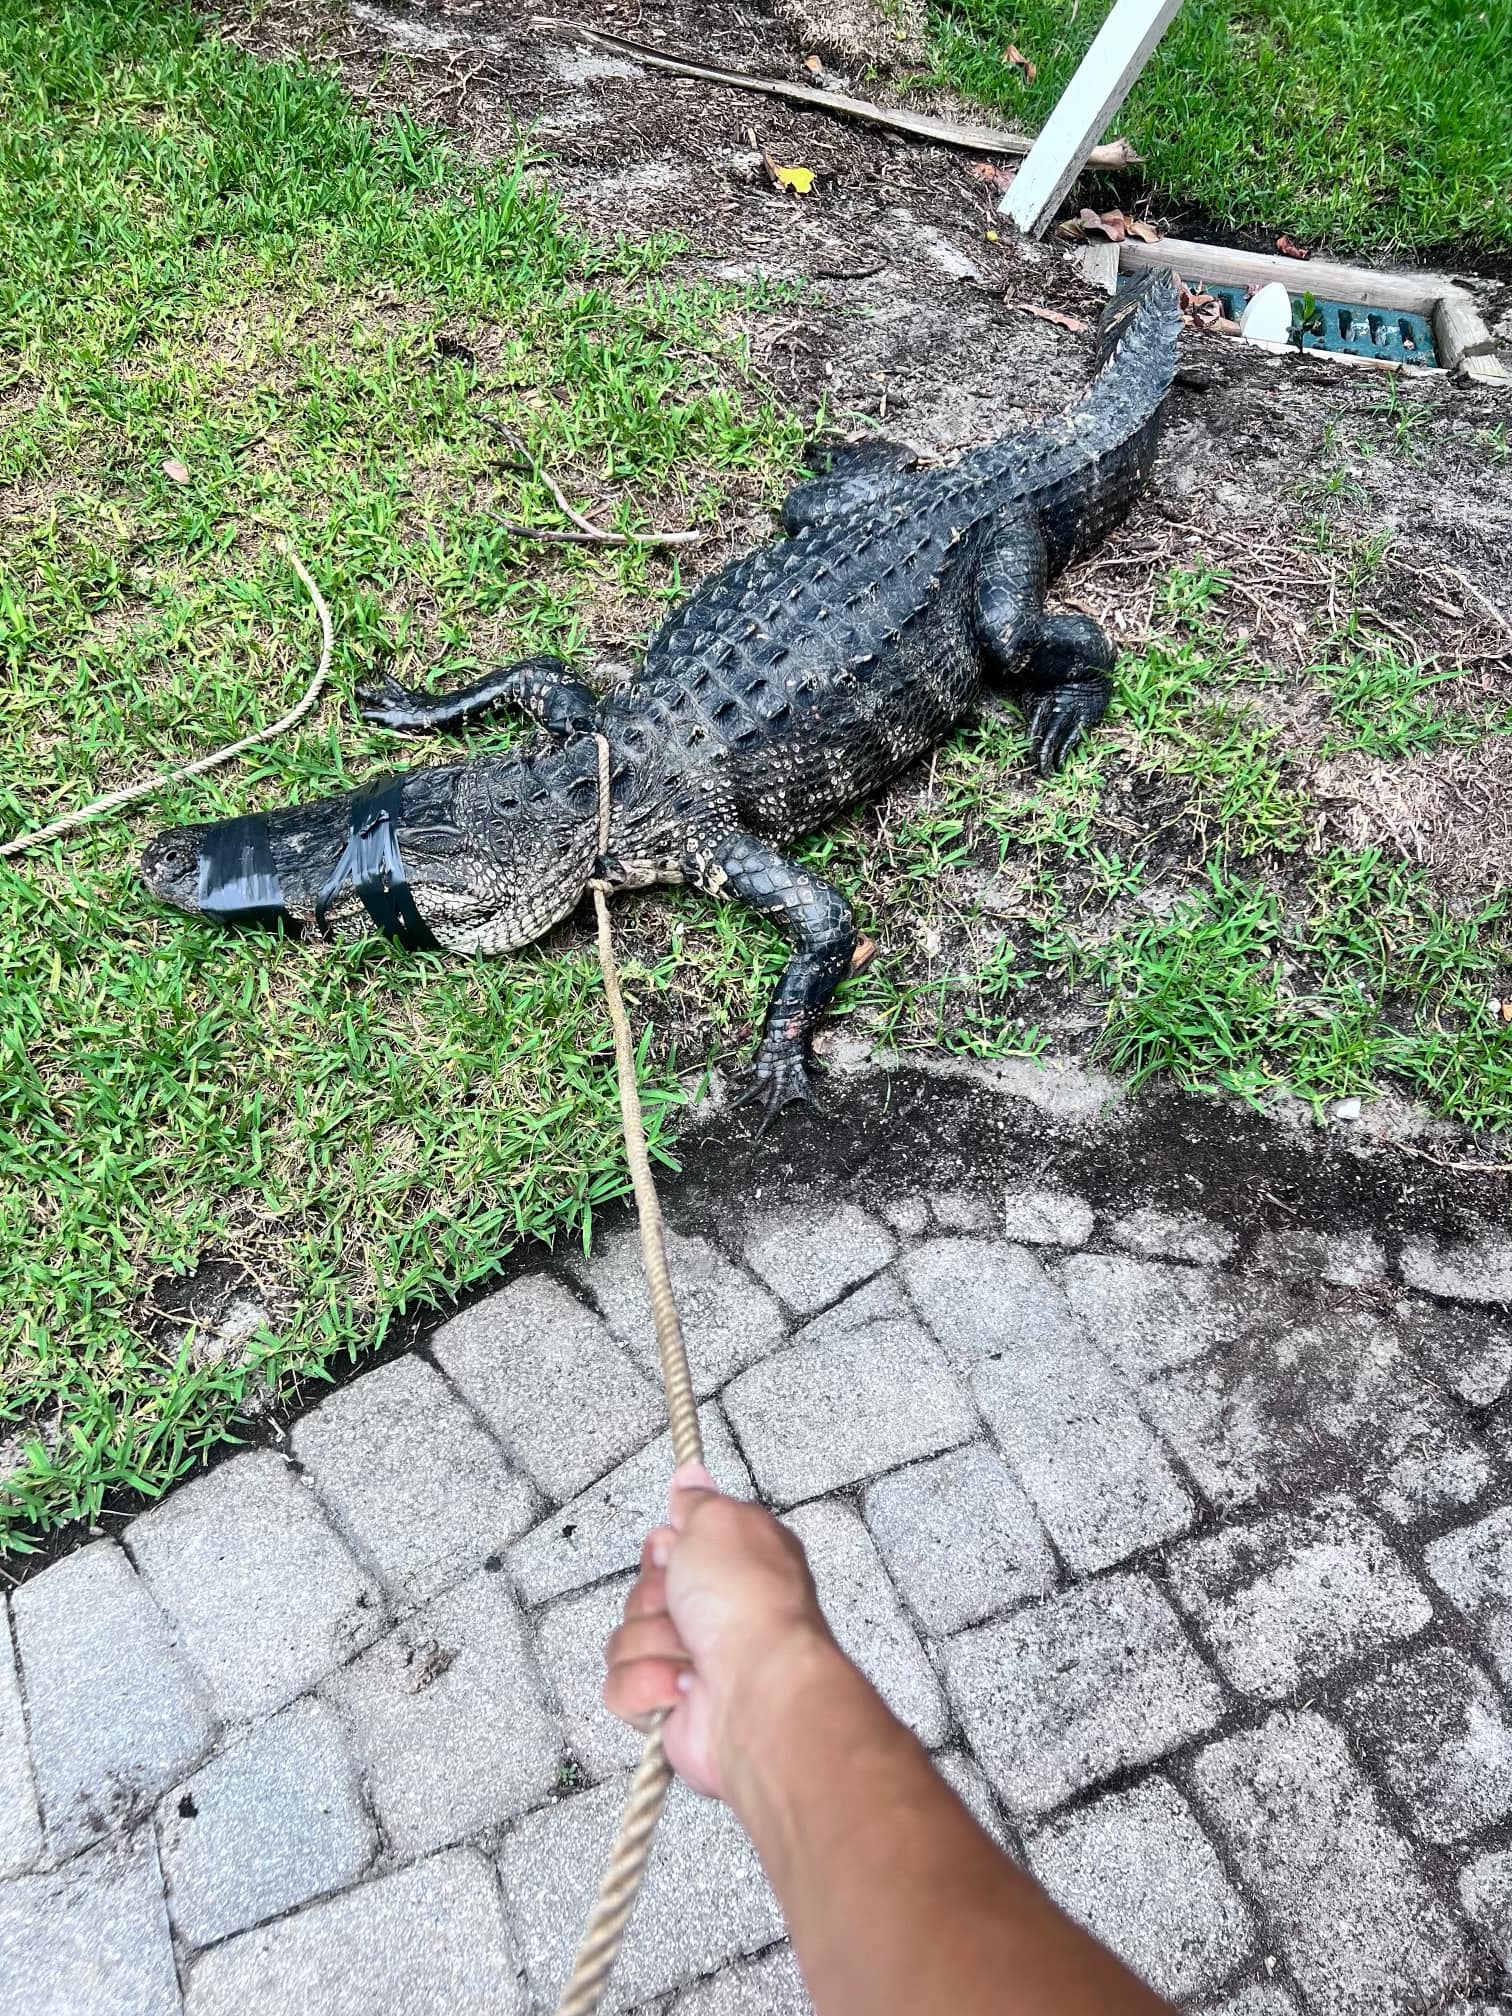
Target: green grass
[217, 260]
[1348, 123]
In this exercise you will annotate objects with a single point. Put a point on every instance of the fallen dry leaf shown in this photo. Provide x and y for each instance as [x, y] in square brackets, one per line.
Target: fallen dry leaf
[1145, 233]
[1291, 250]
[1071, 322]
[813, 63]
[175, 471]
[799, 180]
[999, 173]
[1020, 61]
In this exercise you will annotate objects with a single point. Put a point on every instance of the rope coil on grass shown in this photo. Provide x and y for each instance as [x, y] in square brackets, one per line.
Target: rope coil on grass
[599, 1946]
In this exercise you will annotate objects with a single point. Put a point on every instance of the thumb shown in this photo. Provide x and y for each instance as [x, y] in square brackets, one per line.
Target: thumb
[690, 1482]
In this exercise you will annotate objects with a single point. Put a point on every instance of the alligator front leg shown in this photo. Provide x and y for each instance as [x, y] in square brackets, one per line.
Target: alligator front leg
[817, 922]
[541, 687]
[847, 476]
[1058, 668]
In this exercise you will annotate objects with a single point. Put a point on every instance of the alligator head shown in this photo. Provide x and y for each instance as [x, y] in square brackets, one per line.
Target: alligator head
[480, 856]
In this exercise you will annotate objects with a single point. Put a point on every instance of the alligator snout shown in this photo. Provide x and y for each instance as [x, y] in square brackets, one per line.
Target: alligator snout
[170, 866]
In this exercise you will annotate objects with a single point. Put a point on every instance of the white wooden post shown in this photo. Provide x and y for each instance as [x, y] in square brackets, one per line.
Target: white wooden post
[1103, 80]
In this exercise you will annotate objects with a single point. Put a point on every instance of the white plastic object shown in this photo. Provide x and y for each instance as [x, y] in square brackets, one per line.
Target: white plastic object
[1267, 317]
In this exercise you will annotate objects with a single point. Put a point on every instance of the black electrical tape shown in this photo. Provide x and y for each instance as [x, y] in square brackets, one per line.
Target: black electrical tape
[371, 863]
[238, 883]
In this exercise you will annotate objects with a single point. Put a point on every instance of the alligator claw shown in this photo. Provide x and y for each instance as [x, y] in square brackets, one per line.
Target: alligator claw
[775, 1082]
[1057, 722]
[384, 703]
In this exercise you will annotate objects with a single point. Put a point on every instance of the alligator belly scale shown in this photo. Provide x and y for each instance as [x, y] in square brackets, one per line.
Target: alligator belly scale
[792, 684]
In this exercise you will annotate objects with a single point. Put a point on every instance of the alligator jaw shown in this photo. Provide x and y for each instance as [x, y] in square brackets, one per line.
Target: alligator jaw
[170, 866]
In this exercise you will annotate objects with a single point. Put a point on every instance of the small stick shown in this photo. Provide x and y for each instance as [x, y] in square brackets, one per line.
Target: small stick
[130, 793]
[923, 125]
[587, 534]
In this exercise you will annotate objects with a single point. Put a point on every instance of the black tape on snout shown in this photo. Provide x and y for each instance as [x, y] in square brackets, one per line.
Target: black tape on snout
[371, 864]
[238, 883]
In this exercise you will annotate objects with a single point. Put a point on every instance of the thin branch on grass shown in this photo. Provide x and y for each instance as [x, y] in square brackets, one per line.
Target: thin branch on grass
[129, 794]
[587, 533]
[923, 125]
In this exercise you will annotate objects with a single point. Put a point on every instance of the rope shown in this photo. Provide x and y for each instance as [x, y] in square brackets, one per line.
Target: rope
[600, 1944]
[130, 793]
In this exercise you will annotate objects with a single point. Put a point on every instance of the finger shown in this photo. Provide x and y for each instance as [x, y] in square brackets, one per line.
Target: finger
[656, 1548]
[648, 1597]
[690, 1483]
[645, 1638]
[637, 1688]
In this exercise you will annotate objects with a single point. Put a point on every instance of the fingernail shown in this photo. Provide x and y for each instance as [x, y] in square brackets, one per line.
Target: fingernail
[685, 1682]
[661, 1554]
[693, 1477]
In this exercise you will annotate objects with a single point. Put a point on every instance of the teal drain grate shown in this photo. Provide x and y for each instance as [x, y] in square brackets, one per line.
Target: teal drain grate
[1391, 333]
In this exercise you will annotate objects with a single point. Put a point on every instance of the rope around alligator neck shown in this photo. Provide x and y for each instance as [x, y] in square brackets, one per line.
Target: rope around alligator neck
[600, 1944]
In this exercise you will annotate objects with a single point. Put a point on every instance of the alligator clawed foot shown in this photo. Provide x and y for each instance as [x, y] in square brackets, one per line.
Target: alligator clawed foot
[775, 1082]
[384, 703]
[1057, 724]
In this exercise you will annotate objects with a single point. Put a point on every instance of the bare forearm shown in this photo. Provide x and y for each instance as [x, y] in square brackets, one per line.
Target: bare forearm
[895, 1898]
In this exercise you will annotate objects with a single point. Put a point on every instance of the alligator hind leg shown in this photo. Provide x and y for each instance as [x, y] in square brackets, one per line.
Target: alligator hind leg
[817, 922]
[1058, 668]
[542, 688]
[1064, 684]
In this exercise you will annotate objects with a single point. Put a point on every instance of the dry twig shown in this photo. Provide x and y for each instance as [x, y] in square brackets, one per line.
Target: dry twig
[587, 533]
[129, 794]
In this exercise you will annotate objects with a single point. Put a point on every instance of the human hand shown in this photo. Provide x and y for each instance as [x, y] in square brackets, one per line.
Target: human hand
[722, 1616]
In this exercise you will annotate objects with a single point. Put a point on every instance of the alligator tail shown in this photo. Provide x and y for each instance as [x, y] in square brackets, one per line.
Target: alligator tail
[1115, 427]
[1078, 475]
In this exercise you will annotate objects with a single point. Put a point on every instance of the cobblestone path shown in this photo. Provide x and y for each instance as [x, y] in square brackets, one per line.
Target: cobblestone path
[1186, 1549]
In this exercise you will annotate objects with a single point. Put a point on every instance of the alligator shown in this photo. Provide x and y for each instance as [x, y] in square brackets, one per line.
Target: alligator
[791, 684]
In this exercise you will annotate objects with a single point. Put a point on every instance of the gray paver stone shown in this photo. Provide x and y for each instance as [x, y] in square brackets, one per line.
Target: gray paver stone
[273, 1821]
[728, 1321]
[1227, 1418]
[426, 1941]
[831, 1410]
[1360, 1927]
[1137, 1870]
[982, 1298]
[116, 1711]
[572, 1635]
[1464, 1270]
[90, 1938]
[1150, 1315]
[704, 1900]
[811, 1255]
[1287, 1600]
[447, 1718]
[1257, 1998]
[908, 1216]
[1174, 1235]
[1469, 1349]
[1092, 1466]
[1439, 1732]
[412, 1477]
[867, 1619]
[1485, 1888]
[600, 1532]
[1359, 1384]
[1341, 1259]
[961, 1211]
[1069, 1691]
[769, 1985]
[960, 1538]
[267, 1598]
[20, 1821]
[1473, 1567]
[543, 1371]
[1047, 1218]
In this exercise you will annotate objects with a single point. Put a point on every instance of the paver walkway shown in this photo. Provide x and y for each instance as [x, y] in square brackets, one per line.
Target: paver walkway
[1189, 1556]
